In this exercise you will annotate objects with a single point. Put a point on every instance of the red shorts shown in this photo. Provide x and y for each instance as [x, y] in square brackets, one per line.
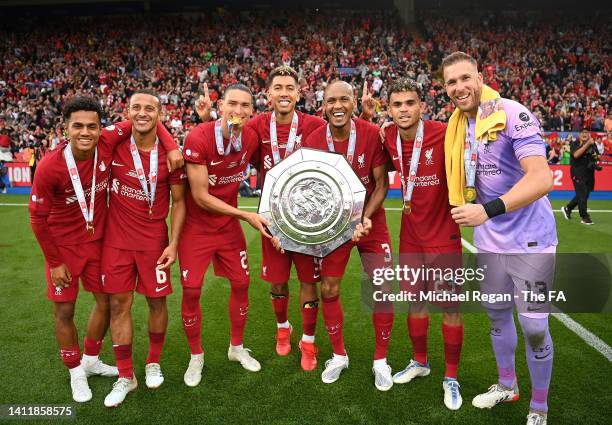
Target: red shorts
[431, 259]
[121, 268]
[276, 267]
[227, 251]
[83, 261]
[377, 243]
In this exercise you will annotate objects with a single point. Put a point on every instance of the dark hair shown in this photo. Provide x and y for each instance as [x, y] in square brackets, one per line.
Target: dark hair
[282, 71]
[150, 92]
[82, 103]
[404, 84]
[456, 57]
[238, 86]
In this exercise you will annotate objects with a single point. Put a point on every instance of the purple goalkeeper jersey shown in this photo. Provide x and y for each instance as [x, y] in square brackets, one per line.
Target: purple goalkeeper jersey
[529, 229]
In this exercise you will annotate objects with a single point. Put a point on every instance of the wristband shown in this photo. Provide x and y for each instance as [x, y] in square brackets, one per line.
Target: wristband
[494, 208]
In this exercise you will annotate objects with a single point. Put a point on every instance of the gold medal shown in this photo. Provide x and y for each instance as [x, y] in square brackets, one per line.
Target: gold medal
[90, 229]
[469, 193]
[235, 120]
[407, 207]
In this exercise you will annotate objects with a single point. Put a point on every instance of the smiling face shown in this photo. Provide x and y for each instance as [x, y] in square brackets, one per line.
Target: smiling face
[236, 105]
[83, 129]
[339, 103]
[143, 111]
[463, 84]
[283, 93]
[405, 109]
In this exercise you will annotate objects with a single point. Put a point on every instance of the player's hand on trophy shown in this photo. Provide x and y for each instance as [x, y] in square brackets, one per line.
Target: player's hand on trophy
[60, 276]
[203, 105]
[257, 222]
[469, 215]
[167, 258]
[276, 243]
[362, 229]
[174, 160]
[368, 104]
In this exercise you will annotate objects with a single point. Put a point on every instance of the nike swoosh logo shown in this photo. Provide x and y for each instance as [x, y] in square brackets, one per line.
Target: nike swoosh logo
[215, 163]
[529, 308]
[116, 164]
[542, 357]
[161, 289]
[395, 158]
[265, 142]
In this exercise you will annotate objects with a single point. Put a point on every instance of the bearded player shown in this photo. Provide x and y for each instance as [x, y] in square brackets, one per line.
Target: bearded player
[360, 142]
[217, 153]
[504, 160]
[136, 251]
[280, 133]
[428, 233]
[67, 213]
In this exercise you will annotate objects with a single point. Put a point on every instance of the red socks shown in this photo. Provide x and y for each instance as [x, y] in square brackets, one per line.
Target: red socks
[156, 344]
[280, 304]
[333, 317]
[383, 323]
[71, 356]
[310, 311]
[453, 340]
[417, 329]
[192, 319]
[123, 357]
[238, 311]
[92, 348]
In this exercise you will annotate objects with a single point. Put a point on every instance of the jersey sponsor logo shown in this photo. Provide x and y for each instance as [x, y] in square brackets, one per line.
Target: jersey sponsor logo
[215, 162]
[267, 162]
[488, 170]
[428, 156]
[116, 164]
[361, 160]
[115, 186]
[429, 180]
[99, 187]
[523, 116]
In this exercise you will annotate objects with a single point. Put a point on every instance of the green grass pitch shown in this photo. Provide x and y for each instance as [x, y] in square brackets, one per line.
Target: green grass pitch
[282, 393]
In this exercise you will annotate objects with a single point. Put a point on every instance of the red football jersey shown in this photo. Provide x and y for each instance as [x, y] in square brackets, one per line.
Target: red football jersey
[225, 173]
[369, 152]
[261, 124]
[129, 225]
[430, 223]
[54, 211]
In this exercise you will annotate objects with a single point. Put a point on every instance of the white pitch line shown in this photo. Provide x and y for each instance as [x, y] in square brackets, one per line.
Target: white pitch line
[587, 336]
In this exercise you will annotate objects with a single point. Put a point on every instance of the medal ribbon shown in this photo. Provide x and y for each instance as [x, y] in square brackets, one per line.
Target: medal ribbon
[236, 142]
[351, 146]
[73, 173]
[408, 181]
[290, 141]
[153, 164]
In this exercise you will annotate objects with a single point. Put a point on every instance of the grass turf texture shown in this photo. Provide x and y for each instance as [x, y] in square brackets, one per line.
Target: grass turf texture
[282, 393]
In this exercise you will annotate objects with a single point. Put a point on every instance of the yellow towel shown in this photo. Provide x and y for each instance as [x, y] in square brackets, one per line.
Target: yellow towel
[491, 118]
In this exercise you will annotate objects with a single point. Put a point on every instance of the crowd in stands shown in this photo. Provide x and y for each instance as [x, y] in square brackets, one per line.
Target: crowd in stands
[557, 67]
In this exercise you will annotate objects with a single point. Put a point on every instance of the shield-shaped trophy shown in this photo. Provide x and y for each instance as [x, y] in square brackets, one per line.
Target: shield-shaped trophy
[313, 201]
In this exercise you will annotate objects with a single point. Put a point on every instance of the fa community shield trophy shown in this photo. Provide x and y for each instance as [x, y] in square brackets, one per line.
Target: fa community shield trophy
[313, 201]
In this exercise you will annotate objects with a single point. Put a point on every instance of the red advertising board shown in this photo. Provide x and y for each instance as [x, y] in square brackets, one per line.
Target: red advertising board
[19, 173]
